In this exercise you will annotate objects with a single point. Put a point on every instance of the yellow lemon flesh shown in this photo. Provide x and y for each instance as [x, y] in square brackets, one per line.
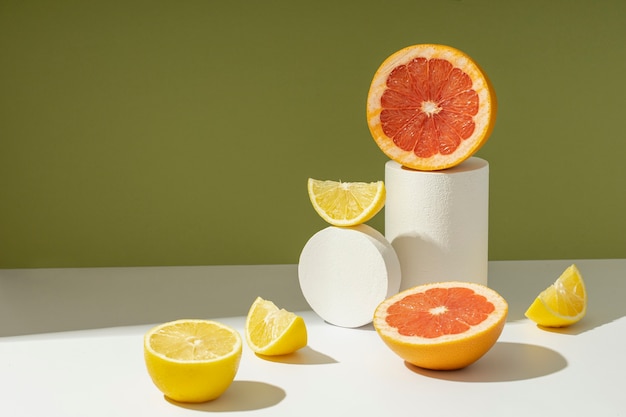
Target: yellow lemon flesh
[192, 360]
[346, 203]
[561, 304]
[272, 331]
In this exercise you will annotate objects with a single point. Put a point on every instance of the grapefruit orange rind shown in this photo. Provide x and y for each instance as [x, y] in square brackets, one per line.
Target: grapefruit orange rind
[484, 119]
[447, 352]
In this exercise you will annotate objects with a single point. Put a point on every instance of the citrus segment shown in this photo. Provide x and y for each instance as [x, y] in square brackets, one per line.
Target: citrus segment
[272, 331]
[447, 325]
[346, 203]
[439, 312]
[192, 360]
[561, 304]
[430, 107]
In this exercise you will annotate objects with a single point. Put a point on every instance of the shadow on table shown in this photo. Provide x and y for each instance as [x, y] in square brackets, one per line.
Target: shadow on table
[240, 396]
[304, 356]
[369, 326]
[506, 361]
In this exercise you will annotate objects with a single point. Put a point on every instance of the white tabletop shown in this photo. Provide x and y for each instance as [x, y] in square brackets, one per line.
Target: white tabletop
[530, 371]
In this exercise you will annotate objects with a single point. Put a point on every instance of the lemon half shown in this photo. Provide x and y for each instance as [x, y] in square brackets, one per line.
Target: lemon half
[192, 360]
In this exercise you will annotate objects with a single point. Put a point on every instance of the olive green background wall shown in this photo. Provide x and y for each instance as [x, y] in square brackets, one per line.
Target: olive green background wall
[183, 132]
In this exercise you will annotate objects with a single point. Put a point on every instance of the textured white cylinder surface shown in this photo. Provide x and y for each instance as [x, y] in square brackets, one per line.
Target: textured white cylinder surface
[345, 272]
[438, 222]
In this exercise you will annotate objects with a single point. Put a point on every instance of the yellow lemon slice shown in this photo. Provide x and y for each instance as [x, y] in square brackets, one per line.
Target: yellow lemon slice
[192, 360]
[561, 304]
[346, 203]
[272, 331]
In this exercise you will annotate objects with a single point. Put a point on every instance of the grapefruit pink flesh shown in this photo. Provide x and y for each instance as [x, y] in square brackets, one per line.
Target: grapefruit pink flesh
[445, 325]
[439, 311]
[428, 107]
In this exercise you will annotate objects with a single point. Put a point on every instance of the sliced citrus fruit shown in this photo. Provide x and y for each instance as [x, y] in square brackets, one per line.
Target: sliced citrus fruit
[192, 360]
[346, 203]
[272, 331]
[447, 325]
[561, 304]
[430, 107]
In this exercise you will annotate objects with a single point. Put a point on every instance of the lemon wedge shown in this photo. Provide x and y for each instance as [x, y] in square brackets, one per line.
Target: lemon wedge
[346, 203]
[561, 304]
[272, 331]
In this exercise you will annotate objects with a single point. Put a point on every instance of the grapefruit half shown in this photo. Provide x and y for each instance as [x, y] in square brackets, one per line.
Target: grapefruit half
[430, 107]
[442, 326]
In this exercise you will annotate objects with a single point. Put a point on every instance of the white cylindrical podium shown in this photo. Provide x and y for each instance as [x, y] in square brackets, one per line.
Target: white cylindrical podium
[438, 222]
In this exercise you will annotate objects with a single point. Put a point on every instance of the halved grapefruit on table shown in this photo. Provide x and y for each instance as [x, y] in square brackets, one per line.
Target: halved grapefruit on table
[442, 326]
[430, 107]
